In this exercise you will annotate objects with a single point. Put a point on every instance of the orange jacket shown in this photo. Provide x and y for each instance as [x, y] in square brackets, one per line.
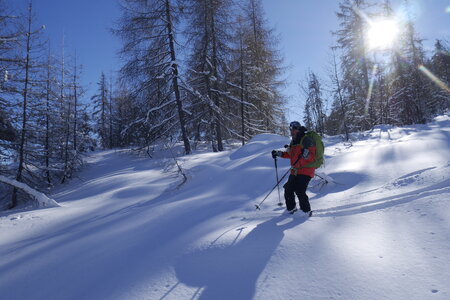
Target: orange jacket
[294, 151]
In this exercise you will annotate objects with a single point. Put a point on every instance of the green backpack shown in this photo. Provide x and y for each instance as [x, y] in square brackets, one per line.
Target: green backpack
[320, 148]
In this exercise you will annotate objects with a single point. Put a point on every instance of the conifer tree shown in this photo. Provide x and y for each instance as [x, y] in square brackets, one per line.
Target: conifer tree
[337, 121]
[210, 32]
[148, 30]
[28, 149]
[8, 42]
[238, 78]
[314, 113]
[264, 69]
[354, 63]
[410, 88]
[101, 111]
[50, 121]
[123, 112]
[440, 69]
[71, 122]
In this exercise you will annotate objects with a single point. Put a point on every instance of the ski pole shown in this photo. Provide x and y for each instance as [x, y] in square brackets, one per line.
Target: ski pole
[258, 206]
[276, 171]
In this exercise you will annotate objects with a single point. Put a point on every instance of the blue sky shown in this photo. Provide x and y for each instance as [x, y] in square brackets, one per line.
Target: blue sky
[86, 26]
[304, 27]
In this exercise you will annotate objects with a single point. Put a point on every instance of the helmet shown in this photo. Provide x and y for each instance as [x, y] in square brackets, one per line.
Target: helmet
[295, 125]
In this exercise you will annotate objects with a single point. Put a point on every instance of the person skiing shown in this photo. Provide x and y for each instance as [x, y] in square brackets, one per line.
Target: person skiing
[301, 152]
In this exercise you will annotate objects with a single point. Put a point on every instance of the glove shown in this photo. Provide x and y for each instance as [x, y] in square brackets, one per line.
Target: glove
[276, 153]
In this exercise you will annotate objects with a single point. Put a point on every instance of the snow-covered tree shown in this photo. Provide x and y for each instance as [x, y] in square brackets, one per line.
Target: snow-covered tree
[314, 112]
[9, 37]
[149, 30]
[440, 75]
[410, 89]
[354, 63]
[235, 69]
[101, 111]
[209, 31]
[264, 68]
[27, 84]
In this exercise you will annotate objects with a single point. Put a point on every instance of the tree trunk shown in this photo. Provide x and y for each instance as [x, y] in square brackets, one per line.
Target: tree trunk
[66, 150]
[75, 110]
[24, 114]
[187, 146]
[341, 99]
[242, 90]
[110, 116]
[47, 126]
[216, 85]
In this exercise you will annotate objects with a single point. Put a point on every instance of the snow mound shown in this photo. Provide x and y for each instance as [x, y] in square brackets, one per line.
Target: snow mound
[262, 143]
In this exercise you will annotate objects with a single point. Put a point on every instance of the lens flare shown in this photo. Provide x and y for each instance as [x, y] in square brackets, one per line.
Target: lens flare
[381, 34]
[434, 78]
[447, 10]
[369, 92]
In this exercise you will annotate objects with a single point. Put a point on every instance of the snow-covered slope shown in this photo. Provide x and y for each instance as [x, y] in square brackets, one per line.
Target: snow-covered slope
[125, 230]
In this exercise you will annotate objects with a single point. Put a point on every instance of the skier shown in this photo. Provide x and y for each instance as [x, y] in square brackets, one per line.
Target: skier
[301, 151]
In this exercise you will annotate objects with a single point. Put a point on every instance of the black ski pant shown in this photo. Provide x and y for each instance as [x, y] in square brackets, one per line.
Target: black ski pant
[297, 185]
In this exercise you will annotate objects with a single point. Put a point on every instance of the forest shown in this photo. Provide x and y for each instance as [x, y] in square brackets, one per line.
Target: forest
[199, 72]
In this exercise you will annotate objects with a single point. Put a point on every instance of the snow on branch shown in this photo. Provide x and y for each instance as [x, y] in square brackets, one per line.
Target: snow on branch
[231, 97]
[197, 94]
[158, 108]
[42, 199]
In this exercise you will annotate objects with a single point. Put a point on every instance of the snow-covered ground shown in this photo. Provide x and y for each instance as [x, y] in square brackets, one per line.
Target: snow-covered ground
[125, 230]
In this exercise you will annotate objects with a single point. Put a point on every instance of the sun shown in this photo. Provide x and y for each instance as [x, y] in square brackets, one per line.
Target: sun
[382, 34]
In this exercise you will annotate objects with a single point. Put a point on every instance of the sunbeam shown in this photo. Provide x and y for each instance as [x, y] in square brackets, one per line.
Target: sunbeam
[434, 78]
[369, 92]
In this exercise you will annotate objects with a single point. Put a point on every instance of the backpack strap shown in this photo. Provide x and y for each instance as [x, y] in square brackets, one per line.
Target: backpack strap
[306, 142]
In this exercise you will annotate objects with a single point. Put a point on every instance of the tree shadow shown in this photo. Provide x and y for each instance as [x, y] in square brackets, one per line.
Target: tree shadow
[383, 203]
[231, 272]
[341, 181]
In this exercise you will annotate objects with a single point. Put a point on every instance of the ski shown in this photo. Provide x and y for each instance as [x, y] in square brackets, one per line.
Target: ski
[308, 214]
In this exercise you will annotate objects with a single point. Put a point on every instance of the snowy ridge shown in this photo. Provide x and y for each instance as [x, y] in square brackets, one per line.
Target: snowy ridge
[124, 231]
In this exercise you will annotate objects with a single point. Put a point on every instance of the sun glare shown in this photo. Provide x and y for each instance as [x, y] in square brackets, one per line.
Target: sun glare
[382, 34]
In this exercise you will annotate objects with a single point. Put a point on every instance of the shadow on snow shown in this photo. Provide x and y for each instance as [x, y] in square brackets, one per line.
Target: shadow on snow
[232, 272]
[383, 203]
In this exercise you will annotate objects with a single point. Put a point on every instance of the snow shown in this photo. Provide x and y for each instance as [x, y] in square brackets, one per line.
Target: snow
[42, 200]
[381, 227]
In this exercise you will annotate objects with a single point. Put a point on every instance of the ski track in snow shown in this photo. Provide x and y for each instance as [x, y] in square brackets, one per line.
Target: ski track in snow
[127, 230]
